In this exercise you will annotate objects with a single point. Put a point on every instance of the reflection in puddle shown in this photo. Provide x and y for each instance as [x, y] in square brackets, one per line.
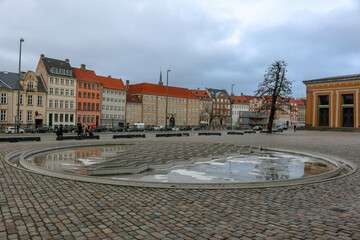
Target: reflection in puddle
[262, 166]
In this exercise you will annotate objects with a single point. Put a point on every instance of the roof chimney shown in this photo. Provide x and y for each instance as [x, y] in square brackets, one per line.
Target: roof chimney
[67, 60]
[109, 76]
[42, 55]
[127, 84]
[242, 94]
[198, 88]
[83, 67]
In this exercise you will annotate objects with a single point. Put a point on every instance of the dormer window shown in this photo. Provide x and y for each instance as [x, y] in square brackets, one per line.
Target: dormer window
[30, 86]
[54, 70]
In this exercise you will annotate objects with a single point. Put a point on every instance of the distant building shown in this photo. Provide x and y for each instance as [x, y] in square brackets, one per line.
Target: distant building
[333, 101]
[298, 111]
[239, 105]
[133, 110]
[205, 106]
[221, 107]
[113, 102]
[183, 106]
[89, 95]
[32, 99]
[60, 83]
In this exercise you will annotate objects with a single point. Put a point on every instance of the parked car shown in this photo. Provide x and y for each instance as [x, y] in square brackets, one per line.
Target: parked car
[149, 128]
[185, 128]
[283, 127]
[157, 128]
[13, 130]
[168, 128]
[133, 129]
[175, 129]
[43, 129]
[118, 129]
[257, 128]
[196, 128]
[27, 128]
[100, 129]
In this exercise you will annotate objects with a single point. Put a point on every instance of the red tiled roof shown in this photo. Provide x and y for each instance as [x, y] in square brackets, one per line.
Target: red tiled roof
[87, 75]
[201, 94]
[112, 83]
[239, 99]
[299, 102]
[132, 98]
[160, 90]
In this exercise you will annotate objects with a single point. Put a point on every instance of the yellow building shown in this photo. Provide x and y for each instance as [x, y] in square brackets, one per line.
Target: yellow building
[333, 101]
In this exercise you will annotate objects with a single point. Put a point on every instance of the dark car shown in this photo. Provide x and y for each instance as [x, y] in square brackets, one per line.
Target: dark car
[150, 128]
[27, 129]
[100, 129]
[196, 128]
[118, 129]
[185, 128]
[257, 128]
[43, 129]
[133, 129]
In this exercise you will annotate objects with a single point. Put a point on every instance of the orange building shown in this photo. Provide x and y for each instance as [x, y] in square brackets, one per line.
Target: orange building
[88, 100]
[333, 101]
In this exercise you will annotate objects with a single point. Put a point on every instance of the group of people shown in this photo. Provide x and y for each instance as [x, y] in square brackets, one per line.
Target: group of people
[84, 130]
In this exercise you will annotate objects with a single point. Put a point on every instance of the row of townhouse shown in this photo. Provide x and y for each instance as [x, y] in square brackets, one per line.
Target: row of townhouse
[57, 93]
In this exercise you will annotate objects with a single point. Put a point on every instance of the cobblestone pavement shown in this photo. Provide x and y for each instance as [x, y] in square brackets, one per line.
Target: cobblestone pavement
[38, 207]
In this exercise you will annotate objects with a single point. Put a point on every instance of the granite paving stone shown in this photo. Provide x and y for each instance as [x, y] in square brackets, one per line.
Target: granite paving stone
[34, 206]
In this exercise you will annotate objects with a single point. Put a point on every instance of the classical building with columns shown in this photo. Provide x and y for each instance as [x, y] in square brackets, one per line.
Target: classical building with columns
[333, 101]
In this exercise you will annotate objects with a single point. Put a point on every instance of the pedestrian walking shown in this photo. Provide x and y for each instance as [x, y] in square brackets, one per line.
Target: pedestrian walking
[294, 128]
[61, 130]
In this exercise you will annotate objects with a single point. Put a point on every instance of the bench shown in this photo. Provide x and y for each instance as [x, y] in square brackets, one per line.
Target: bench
[77, 137]
[209, 133]
[129, 136]
[20, 139]
[235, 133]
[172, 134]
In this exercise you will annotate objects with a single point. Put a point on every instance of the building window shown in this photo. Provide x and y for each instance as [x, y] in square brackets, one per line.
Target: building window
[71, 92]
[56, 91]
[67, 92]
[71, 105]
[88, 107]
[29, 116]
[51, 103]
[20, 115]
[51, 91]
[85, 85]
[61, 104]
[93, 95]
[39, 102]
[72, 82]
[80, 85]
[30, 100]
[84, 119]
[79, 105]
[98, 96]
[89, 94]
[97, 107]
[61, 91]
[67, 82]
[30, 86]
[79, 118]
[3, 98]
[66, 104]
[51, 80]
[85, 95]
[62, 81]
[21, 99]
[56, 104]
[2, 115]
[57, 80]
[98, 87]
[79, 94]
[84, 106]
[66, 117]
[61, 117]
[93, 106]
[56, 117]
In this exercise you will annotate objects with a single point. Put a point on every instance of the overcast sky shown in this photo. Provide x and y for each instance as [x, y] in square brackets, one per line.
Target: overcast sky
[205, 43]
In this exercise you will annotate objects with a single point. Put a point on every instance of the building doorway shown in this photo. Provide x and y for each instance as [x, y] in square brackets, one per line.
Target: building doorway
[348, 117]
[324, 117]
[38, 123]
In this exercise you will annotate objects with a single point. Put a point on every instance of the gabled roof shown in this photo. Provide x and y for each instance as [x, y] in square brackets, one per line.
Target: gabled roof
[85, 75]
[132, 99]
[160, 90]
[9, 80]
[201, 94]
[112, 83]
[60, 64]
[298, 102]
[215, 92]
[239, 100]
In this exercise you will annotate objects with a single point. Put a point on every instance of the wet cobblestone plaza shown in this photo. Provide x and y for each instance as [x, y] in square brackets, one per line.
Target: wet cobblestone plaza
[33, 206]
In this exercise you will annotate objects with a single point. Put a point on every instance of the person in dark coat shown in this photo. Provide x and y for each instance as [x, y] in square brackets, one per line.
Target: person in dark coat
[79, 129]
[61, 130]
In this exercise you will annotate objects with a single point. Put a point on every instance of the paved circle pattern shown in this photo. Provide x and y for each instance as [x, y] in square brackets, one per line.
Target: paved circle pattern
[38, 207]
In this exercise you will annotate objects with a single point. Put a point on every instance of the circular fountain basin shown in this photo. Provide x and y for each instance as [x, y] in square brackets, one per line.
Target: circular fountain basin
[170, 166]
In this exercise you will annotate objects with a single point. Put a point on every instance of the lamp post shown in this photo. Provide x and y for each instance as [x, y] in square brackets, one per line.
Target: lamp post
[231, 107]
[167, 96]
[18, 103]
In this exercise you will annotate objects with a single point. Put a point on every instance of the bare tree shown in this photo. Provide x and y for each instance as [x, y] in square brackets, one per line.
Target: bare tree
[207, 112]
[276, 86]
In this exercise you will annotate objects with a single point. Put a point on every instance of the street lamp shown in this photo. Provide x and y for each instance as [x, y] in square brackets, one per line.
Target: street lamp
[18, 103]
[167, 96]
[231, 105]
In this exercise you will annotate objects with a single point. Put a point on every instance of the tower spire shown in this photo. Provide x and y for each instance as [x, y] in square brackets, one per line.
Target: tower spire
[160, 80]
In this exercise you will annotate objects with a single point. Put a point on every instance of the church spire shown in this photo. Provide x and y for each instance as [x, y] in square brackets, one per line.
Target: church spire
[160, 80]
